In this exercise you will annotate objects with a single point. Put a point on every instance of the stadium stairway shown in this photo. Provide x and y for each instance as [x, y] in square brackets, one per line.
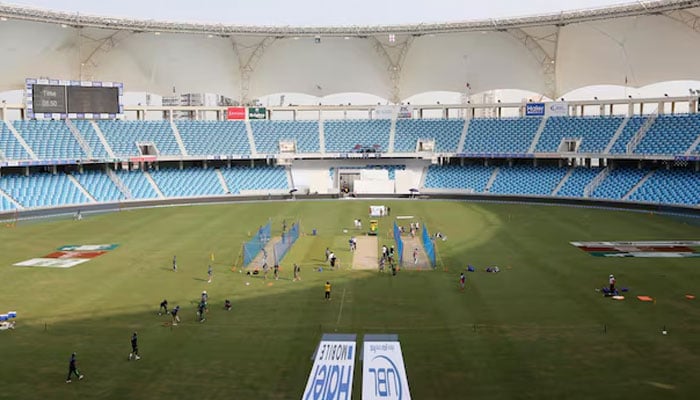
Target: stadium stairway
[562, 182]
[463, 136]
[100, 135]
[21, 141]
[617, 134]
[538, 134]
[251, 138]
[638, 185]
[492, 179]
[178, 138]
[79, 138]
[154, 185]
[81, 188]
[222, 181]
[8, 202]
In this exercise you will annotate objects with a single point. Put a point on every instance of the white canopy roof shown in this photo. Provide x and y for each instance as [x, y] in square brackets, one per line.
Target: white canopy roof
[635, 45]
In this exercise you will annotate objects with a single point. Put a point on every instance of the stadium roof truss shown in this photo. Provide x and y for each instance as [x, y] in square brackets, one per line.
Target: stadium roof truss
[549, 54]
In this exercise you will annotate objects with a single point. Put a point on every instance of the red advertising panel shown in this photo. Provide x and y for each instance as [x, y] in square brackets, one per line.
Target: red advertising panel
[235, 113]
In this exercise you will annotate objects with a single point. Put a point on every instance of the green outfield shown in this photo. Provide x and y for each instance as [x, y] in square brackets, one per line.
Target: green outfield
[536, 330]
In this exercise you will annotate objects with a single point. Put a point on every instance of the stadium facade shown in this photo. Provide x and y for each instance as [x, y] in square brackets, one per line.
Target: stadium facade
[632, 151]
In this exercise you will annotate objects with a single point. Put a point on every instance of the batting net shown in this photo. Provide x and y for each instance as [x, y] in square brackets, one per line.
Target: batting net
[399, 243]
[252, 247]
[429, 246]
[288, 238]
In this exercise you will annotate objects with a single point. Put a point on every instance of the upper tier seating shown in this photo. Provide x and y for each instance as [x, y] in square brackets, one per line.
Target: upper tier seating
[187, 182]
[670, 187]
[501, 135]
[579, 178]
[259, 178]
[99, 185]
[122, 136]
[632, 127]
[50, 139]
[10, 146]
[670, 134]
[595, 133]
[468, 177]
[203, 138]
[526, 179]
[446, 133]
[86, 129]
[618, 183]
[138, 184]
[342, 136]
[267, 135]
[42, 190]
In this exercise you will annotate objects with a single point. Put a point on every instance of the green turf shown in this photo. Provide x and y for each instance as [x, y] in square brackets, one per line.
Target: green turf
[537, 330]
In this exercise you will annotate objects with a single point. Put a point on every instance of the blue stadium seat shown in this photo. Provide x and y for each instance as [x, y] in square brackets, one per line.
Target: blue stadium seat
[501, 135]
[342, 136]
[670, 135]
[526, 179]
[88, 132]
[445, 132]
[122, 136]
[267, 135]
[138, 184]
[618, 183]
[632, 127]
[595, 133]
[187, 182]
[42, 190]
[99, 185]
[675, 186]
[258, 178]
[203, 138]
[10, 146]
[577, 182]
[50, 139]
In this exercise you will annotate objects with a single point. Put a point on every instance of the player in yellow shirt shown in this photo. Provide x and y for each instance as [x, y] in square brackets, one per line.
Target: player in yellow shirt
[327, 287]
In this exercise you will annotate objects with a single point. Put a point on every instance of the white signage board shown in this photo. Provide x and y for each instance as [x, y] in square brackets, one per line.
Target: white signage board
[383, 372]
[332, 372]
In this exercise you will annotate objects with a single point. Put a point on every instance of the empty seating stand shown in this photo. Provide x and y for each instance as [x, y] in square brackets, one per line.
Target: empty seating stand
[445, 132]
[344, 136]
[594, 133]
[188, 182]
[454, 177]
[500, 135]
[268, 135]
[202, 138]
[674, 186]
[670, 135]
[123, 136]
[50, 139]
[42, 190]
[255, 179]
[10, 146]
[99, 185]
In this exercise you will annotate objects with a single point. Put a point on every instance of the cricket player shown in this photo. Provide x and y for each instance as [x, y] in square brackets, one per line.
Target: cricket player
[163, 307]
[134, 347]
[462, 281]
[73, 369]
[327, 288]
[176, 318]
[297, 271]
[174, 263]
[210, 272]
[202, 308]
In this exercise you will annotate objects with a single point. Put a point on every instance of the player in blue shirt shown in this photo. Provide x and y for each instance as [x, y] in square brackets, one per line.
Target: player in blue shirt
[134, 347]
[174, 312]
[73, 369]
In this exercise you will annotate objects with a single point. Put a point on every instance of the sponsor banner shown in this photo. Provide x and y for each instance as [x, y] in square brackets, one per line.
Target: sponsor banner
[556, 109]
[383, 372]
[332, 372]
[377, 211]
[383, 112]
[644, 249]
[235, 113]
[88, 247]
[52, 262]
[404, 112]
[75, 254]
[534, 109]
[257, 113]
